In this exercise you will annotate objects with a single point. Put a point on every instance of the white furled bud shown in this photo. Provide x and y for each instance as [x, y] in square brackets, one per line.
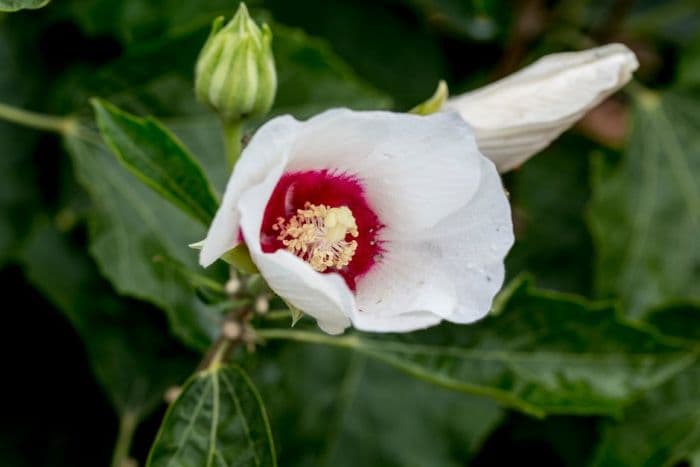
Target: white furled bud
[518, 116]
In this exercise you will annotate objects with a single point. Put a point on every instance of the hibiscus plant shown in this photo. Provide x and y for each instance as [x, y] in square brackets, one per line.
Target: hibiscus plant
[293, 240]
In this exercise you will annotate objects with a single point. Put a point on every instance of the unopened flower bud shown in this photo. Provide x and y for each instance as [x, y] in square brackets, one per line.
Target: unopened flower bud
[262, 305]
[172, 393]
[233, 285]
[235, 72]
[231, 330]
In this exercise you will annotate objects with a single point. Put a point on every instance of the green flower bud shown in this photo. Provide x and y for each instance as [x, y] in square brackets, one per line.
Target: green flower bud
[235, 72]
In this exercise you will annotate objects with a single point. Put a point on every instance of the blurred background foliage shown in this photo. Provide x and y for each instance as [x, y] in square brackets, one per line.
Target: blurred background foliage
[611, 210]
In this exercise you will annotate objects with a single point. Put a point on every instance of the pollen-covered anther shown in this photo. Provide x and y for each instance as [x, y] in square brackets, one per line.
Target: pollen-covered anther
[318, 235]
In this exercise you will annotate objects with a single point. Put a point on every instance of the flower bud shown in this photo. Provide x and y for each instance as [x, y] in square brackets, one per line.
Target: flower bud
[518, 116]
[262, 305]
[235, 72]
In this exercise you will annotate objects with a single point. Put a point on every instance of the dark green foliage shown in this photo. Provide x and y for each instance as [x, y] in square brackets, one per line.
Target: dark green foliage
[109, 250]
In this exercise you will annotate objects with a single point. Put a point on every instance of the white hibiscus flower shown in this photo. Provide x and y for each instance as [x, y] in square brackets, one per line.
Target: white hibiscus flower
[388, 221]
[394, 222]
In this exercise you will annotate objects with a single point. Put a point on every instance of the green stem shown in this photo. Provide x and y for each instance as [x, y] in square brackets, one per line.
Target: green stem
[218, 353]
[348, 342]
[61, 125]
[274, 315]
[127, 428]
[232, 140]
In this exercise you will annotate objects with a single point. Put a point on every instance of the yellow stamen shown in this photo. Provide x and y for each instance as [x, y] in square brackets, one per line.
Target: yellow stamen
[317, 234]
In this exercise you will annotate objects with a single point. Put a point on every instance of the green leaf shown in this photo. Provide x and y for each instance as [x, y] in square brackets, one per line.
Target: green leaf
[645, 213]
[16, 5]
[542, 353]
[341, 410]
[132, 357]
[680, 320]
[694, 458]
[218, 420]
[137, 237]
[158, 159]
[663, 428]
[689, 66]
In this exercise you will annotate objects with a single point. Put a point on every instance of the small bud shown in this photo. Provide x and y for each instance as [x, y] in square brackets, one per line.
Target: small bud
[232, 286]
[172, 394]
[262, 305]
[231, 330]
[235, 72]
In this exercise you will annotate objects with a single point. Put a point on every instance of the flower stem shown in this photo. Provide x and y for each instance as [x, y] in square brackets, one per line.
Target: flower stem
[61, 125]
[218, 352]
[274, 315]
[308, 337]
[127, 428]
[234, 331]
[232, 140]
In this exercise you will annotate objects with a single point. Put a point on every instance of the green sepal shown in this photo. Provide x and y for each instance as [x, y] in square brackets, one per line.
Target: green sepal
[434, 102]
[238, 257]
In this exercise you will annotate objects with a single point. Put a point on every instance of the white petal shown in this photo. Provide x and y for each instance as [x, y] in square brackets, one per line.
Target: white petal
[268, 150]
[450, 271]
[325, 297]
[415, 170]
[407, 290]
[471, 244]
[518, 116]
[405, 322]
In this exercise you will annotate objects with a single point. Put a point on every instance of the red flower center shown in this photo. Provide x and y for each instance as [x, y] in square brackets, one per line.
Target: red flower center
[324, 218]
